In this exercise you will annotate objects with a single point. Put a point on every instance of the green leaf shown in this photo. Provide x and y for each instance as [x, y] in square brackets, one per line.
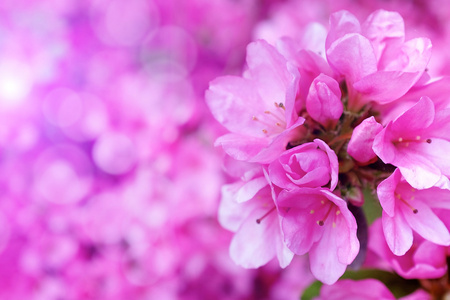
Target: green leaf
[312, 291]
[371, 207]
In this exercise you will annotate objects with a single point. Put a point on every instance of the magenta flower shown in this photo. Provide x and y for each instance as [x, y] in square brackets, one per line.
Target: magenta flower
[376, 62]
[308, 165]
[423, 260]
[406, 209]
[367, 289]
[257, 108]
[360, 145]
[418, 143]
[248, 209]
[317, 222]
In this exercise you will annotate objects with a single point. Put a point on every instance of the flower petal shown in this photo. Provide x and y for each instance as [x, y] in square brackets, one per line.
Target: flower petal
[398, 233]
[426, 223]
[352, 56]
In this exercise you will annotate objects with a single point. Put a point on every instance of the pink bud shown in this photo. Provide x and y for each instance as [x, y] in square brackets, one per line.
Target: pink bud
[360, 145]
[324, 100]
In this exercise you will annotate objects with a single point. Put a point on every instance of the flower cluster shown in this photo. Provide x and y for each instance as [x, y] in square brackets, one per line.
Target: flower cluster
[311, 127]
[111, 184]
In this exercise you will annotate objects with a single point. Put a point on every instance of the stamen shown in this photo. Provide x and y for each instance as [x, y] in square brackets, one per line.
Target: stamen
[273, 122]
[322, 222]
[417, 139]
[265, 215]
[414, 210]
[275, 116]
[280, 105]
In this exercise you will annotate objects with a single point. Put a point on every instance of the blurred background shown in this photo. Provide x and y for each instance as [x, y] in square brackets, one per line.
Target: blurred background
[109, 179]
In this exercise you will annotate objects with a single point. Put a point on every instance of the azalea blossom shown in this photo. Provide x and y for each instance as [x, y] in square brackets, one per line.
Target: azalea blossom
[374, 58]
[360, 145]
[418, 143]
[406, 209]
[248, 209]
[365, 289]
[308, 165]
[257, 108]
[323, 102]
[424, 259]
[317, 222]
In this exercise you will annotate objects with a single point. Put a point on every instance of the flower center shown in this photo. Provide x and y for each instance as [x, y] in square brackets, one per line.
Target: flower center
[274, 121]
[406, 141]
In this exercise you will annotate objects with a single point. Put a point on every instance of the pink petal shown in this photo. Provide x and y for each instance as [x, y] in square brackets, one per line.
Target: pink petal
[250, 188]
[433, 255]
[234, 101]
[253, 244]
[426, 223]
[383, 28]
[415, 119]
[299, 228]
[241, 147]
[360, 145]
[398, 233]
[334, 163]
[386, 86]
[335, 250]
[278, 144]
[268, 69]
[427, 260]
[352, 56]
[341, 23]
[413, 56]
[231, 214]
[418, 171]
[384, 24]
[366, 289]
[323, 102]
[382, 145]
[386, 192]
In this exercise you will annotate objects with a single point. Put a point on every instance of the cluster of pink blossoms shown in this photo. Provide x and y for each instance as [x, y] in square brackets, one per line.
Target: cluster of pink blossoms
[312, 126]
[111, 184]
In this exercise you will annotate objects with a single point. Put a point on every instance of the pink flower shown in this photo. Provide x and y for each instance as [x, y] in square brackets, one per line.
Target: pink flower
[423, 260]
[360, 145]
[418, 143]
[317, 222]
[366, 289]
[257, 108]
[323, 102]
[308, 165]
[406, 209]
[376, 62]
[248, 209]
